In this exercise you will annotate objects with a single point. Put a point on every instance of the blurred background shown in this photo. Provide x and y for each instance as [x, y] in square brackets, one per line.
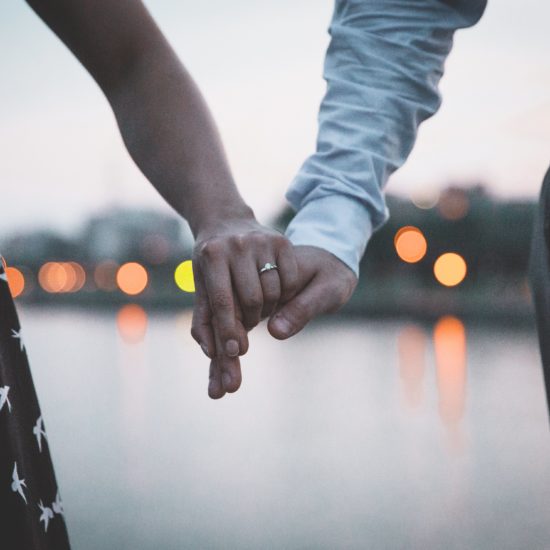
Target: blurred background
[415, 418]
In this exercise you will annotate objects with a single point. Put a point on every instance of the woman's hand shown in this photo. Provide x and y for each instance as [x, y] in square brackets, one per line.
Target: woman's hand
[232, 296]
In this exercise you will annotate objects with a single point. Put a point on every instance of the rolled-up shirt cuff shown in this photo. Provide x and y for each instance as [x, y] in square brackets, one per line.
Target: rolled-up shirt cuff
[337, 223]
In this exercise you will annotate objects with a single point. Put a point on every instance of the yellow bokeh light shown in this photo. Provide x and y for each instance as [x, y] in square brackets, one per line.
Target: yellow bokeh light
[184, 276]
[450, 269]
[132, 278]
[16, 281]
[410, 244]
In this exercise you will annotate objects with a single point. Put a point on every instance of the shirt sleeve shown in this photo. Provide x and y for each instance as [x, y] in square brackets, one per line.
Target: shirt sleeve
[382, 68]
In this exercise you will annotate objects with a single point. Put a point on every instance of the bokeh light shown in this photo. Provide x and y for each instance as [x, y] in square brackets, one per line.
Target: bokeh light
[132, 323]
[412, 344]
[425, 198]
[453, 204]
[105, 275]
[52, 277]
[450, 269]
[410, 244]
[79, 277]
[155, 248]
[449, 339]
[16, 281]
[58, 277]
[184, 276]
[70, 277]
[132, 278]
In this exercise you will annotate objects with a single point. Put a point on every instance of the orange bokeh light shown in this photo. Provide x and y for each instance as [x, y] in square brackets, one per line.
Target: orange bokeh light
[132, 278]
[132, 323]
[16, 281]
[52, 277]
[410, 244]
[57, 277]
[79, 277]
[450, 269]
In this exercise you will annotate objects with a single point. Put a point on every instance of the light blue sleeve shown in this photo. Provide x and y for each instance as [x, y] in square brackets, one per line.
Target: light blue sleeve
[382, 69]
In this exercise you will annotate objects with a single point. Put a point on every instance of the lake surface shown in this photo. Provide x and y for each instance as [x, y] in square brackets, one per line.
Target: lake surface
[354, 434]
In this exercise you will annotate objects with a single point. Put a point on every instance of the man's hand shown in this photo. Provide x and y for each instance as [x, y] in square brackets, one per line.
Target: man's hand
[325, 284]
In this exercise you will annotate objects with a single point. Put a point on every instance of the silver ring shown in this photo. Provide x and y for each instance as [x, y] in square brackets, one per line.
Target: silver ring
[268, 267]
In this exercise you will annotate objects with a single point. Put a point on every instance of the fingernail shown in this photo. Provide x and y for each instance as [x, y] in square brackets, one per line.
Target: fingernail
[226, 377]
[204, 348]
[282, 325]
[232, 348]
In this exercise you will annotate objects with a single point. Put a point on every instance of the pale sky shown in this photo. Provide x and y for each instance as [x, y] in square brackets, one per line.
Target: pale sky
[259, 65]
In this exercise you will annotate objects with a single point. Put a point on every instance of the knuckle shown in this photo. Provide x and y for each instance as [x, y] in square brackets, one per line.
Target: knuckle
[211, 248]
[239, 242]
[258, 238]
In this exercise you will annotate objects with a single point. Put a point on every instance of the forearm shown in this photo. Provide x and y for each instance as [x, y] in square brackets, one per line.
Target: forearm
[162, 116]
[382, 69]
[169, 132]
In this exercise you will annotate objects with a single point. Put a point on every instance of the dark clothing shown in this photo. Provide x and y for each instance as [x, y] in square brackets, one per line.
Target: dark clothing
[539, 271]
[31, 512]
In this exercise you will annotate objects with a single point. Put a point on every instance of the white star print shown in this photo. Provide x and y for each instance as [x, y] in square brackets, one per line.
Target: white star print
[46, 515]
[58, 505]
[4, 397]
[38, 431]
[19, 336]
[3, 276]
[18, 484]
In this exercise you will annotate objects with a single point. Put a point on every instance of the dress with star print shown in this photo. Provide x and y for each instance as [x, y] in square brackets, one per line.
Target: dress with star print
[31, 511]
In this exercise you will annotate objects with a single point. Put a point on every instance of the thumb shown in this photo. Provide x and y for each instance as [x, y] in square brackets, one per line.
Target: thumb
[293, 316]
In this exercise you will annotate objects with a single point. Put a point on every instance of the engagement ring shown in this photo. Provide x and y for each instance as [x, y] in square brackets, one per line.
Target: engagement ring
[267, 267]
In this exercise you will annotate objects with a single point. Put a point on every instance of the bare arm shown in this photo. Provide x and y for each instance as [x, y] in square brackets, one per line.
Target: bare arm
[163, 119]
[170, 134]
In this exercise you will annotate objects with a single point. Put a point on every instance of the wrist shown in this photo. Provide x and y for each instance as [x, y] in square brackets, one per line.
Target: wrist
[216, 219]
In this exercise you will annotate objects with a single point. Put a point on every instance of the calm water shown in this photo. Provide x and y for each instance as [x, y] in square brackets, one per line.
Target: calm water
[352, 435]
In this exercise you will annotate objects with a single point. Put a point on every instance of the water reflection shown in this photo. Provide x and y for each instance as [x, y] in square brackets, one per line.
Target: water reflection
[135, 373]
[449, 341]
[132, 323]
[411, 343]
[449, 338]
[314, 451]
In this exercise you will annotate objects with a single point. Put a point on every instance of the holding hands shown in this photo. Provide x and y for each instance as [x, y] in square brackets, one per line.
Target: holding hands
[171, 135]
[236, 289]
